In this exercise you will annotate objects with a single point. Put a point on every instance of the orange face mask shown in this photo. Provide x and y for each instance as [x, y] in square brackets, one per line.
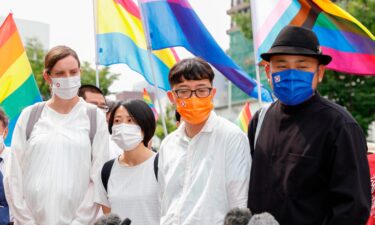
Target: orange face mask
[194, 110]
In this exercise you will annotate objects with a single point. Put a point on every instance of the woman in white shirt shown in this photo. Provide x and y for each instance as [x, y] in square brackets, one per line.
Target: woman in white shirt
[53, 169]
[130, 187]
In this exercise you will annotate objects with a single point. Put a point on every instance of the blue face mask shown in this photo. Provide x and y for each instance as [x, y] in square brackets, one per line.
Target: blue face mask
[292, 87]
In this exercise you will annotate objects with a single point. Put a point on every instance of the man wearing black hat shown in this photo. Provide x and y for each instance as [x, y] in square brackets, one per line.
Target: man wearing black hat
[309, 157]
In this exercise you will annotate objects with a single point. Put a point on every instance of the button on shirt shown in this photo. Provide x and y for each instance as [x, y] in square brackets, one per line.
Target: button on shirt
[202, 178]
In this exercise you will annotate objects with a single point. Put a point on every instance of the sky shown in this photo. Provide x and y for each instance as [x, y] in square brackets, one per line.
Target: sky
[71, 24]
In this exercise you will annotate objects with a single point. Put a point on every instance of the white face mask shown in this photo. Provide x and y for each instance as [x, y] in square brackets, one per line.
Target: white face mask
[66, 87]
[127, 136]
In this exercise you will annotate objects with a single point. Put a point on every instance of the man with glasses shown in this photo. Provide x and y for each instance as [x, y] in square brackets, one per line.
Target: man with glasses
[204, 165]
[94, 95]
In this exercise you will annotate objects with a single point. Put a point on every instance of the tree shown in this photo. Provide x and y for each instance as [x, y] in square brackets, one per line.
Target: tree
[88, 76]
[36, 53]
[169, 120]
[355, 93]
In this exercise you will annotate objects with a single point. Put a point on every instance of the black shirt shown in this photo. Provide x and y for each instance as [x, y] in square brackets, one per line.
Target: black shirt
[310, 165]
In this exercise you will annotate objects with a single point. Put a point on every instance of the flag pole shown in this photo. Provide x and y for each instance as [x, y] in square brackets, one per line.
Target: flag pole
[149, 54]
[257, 73]
[96, 45]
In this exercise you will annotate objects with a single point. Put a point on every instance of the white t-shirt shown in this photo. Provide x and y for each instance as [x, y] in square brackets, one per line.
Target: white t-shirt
[133, 193]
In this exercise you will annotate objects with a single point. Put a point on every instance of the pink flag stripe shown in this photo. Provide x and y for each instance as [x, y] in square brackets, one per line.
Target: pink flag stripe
[346, 62]
[272, 19]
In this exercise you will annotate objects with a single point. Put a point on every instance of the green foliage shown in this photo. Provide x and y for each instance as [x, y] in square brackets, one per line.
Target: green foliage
[355, 93]
[170, 121]
[35, 53]
[244, 22]
[88, 76]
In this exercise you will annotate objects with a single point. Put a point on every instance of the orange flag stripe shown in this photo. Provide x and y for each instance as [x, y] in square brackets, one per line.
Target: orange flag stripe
[10, 52]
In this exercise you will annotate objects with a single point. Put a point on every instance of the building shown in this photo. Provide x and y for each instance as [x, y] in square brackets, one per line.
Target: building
[241, 51]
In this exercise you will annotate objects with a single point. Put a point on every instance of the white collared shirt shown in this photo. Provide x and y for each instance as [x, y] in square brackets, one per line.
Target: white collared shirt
[202, 178]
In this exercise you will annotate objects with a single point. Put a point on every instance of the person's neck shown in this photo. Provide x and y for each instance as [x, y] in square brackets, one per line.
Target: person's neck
[193, 129]
[61, 105]
[136, 156]
[2, 148]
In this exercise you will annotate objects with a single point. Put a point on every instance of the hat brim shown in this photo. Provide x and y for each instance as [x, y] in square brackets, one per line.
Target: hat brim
[289, 50]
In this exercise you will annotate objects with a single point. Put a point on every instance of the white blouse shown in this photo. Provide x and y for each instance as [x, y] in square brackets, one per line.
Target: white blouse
[50, 179]
[133, 193]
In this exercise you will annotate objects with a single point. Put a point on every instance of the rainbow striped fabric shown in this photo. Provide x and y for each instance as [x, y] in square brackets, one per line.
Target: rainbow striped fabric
[147, 99]
[121, 39]
[18, 87]
[244, 118]
[351, 45]
[174, 23]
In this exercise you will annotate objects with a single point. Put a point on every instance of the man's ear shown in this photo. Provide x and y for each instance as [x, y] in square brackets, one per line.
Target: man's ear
[46, 77]
[5, 132]
[267, 68]
[213, 92]
[321, 71]
[171, 97]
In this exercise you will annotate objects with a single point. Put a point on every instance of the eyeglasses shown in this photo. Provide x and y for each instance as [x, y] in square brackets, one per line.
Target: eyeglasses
[105, 108]
[187, 93]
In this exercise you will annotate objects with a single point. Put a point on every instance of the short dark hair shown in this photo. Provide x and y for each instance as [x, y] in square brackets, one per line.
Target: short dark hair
[3, 118]
[56, 54]
[110, 219]
[142, 115]
[111, 104]
[88, 88]
[190, 69]
[237, 216]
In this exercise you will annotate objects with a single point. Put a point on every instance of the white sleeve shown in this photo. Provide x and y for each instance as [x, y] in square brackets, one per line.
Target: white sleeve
[237, 169]
[87, 211]
[13, 176]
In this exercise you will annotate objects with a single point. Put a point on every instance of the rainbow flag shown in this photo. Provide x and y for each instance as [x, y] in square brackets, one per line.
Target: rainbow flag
[18, 87]
[147, 99]
[121, 39]
[174, 23]
[244, 118]
[351, 45]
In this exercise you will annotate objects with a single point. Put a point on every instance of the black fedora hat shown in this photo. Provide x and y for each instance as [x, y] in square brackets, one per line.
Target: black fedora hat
[293, 40]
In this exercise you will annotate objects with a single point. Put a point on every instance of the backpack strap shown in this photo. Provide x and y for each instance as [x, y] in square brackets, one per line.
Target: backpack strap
[91, 113]
[156, 168]
[262, 114]
[36, 112]
[106, 172]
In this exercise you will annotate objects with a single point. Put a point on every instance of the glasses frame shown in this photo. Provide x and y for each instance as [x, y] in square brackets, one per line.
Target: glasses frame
[193, 91]
[105, 108]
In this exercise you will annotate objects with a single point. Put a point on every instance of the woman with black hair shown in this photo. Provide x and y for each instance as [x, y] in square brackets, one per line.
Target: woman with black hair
[130, 187]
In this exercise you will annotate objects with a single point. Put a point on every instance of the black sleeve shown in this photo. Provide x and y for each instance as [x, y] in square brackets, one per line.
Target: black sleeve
[349, 185]
[251, 131]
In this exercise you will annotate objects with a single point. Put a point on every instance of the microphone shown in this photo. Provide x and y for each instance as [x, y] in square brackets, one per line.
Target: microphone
[126, 222]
